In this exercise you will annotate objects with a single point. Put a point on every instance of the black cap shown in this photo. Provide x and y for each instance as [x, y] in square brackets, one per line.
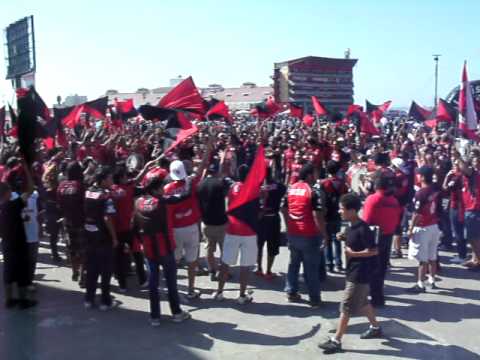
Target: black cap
[426, 171]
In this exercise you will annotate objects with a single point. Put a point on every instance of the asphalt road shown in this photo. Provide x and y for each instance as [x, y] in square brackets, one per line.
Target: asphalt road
[442, 324]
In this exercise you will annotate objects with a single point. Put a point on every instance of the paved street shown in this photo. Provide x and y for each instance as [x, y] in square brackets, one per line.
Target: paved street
[442, 324]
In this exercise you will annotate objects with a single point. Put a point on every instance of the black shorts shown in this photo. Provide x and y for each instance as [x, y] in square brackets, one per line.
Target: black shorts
[269, 232]
[77, 243]
[16, 264]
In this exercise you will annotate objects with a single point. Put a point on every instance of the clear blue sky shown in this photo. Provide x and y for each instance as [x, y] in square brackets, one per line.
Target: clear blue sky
[88, 46]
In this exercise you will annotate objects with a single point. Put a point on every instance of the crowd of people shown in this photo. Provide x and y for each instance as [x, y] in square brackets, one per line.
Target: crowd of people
[349, 203]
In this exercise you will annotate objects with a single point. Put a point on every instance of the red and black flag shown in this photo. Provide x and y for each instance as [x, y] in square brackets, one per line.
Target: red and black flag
[375, 112]
[125, 109]
[185, 96]
[319, 108]
[266, 109]
[27, 124]
[71, 116]
[445, 112]
[96, 108]
[360, 119]
[175, 119]
[219, 110]
[418, 113]
[296, 110]
[246, 204]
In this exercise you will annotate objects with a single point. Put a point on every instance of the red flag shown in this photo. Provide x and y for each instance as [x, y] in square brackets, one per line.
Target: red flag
[353, 109]
[366, 125]
[308, 120]
[266, 109]
[97, 108]
[444, 112]
[69, 117]
[246, 204]
[468, 121]
[296, 110]
[418, 113]
[220, 109]
[319, 108]
[182, 135]
[431, 123]
[185, 96]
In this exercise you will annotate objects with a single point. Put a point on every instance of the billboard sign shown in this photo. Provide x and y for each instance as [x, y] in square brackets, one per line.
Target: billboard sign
[20, 44]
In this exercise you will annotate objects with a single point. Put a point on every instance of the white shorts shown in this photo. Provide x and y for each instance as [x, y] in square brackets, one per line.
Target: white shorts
[245, 245]
[423, 246]
[187, 240]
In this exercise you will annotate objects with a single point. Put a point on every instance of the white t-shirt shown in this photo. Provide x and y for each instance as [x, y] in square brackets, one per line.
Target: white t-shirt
[30, 221]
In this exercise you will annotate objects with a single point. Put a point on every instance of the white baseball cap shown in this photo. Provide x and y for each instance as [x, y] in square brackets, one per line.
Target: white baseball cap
[177, 170]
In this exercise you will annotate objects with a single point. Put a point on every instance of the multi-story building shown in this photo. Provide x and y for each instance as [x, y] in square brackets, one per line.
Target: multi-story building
[330, 80]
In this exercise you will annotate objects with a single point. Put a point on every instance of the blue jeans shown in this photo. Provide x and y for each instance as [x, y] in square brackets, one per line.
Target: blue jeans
[169, 268]
[458, 229]
[333, 250]
[304, 250]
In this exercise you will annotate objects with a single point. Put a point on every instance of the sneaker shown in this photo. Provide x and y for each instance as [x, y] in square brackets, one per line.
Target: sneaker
[338, 268]
[202, 272]
[372, 333]
[396, 254]
[182, 316]
[330, 346]
[193, 295]
[213, 276]
[155, 322]
[315, 304]
[270, 276]
[416, 289]
[258, 273]
[144, 285]
[26, 303]
[457, 260]
[245, 299]
[294, 297]
[88, 305]
[218, 296]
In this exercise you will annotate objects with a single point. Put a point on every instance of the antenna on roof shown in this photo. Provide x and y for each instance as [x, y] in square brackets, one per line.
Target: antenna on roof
[347, 53]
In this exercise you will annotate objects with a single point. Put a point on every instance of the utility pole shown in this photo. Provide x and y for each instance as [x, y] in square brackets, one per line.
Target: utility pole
[435, 58]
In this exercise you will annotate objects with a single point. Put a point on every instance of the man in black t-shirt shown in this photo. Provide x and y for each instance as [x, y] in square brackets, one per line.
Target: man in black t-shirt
[211, 194]
[272, 193]
[360, 249]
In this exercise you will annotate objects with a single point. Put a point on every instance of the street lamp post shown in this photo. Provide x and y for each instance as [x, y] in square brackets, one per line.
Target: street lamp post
[435, 58]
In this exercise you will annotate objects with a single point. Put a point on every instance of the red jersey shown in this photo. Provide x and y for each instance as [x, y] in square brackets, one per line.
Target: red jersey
[295, 172]
[155, 219]
[289, 157]
[302, 201]
[471, 192]
[383, 211]
[186, 212]
[123, 198]
[154, 172]
[426, 206]
[236, 226]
